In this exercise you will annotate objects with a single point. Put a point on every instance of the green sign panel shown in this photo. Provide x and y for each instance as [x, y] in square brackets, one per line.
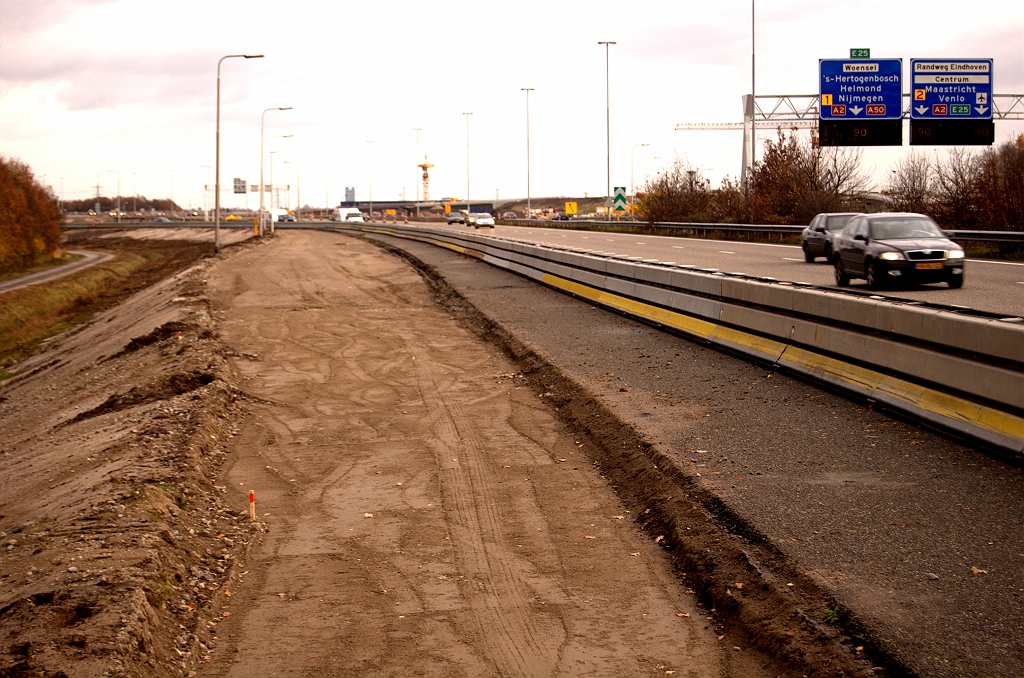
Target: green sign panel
[860, 53]
[619, 201]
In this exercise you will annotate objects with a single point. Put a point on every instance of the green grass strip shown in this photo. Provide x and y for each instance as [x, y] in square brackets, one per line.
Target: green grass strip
[32, 314]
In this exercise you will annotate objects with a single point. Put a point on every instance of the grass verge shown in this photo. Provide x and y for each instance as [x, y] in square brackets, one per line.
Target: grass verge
[30, 315]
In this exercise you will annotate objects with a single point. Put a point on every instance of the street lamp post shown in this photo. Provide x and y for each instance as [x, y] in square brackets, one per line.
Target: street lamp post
[206, 193]
[216, 188]
[370, 142]
[298, 193]
[416, 159]
[528, 205]
[468, 209]
[273, 192]
[118, 194]
[135, 195]
[656, 157]
[632, 160]
[753, 91]
[327, 167]
[608, 125]
[262, 215]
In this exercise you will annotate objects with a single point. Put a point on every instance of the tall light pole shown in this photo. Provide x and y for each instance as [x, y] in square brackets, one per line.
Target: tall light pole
[370, 147]
[327, 167]
[753, 93]
[416, 164]
[298, 193]
[273, 193]
[284, 108]
[632, 160]
[135, 195]
[468, 210]
[245, 163]
[608, 124]
[216, 182]
[118, 194]
[528, 205]
[656, 157]
[206, 192]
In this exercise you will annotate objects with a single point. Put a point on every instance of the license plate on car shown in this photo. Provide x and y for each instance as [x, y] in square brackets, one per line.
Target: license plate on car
[929, 266]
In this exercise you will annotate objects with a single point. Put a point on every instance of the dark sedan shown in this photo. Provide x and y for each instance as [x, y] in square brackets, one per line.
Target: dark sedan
[817, 237]
[456, 218]
[891, 248]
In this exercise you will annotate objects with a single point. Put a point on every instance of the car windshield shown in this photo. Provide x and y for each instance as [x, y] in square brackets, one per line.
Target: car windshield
[480, 215]
[897, 228]
[837, 222]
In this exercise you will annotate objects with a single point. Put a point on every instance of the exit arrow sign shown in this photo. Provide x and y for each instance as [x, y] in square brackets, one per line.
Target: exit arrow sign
[860, 53]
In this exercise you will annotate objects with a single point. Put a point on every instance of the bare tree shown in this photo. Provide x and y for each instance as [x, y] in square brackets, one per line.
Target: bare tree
[796, 179]
[679, 193]
[1001, 186]
[910, 186]
[956, 189]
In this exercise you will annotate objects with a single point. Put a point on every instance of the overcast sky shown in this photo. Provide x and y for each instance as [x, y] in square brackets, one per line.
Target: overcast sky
[130, 85]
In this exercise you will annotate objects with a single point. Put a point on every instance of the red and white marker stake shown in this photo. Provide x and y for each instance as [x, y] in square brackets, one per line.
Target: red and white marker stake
[252, 504]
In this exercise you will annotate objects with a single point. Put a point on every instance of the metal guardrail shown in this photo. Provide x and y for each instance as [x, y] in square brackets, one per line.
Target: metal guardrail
[1006, 237]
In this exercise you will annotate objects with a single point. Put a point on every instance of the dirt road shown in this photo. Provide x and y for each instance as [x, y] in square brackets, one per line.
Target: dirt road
[426, 513]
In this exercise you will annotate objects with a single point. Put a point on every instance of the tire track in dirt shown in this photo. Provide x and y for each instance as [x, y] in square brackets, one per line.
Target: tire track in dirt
[418, 520]
[500, 603]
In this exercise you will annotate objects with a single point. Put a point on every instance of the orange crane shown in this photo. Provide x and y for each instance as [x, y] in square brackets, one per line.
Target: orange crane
[425, 166]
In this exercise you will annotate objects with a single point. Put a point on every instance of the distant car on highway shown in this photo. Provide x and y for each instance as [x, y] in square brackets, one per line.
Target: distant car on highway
[509, 215]
[347, 214]
[478, 219]
[896, 247]
[161, 220]
[561, 216]
[456, 218]
[816, 240]
[285, 217]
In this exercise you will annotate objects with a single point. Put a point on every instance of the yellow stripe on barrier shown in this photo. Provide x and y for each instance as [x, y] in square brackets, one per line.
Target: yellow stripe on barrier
[767, 347]
[942, 404]
[677, 321]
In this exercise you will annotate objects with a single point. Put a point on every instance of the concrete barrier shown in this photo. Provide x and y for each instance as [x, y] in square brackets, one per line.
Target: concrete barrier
[955, 370]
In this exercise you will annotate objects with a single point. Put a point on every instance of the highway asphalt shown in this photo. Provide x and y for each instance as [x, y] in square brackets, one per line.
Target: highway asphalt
[919, 535]
[995, 286]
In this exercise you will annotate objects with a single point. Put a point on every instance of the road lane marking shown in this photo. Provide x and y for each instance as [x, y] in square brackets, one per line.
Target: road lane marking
[1000, 263]
[725, 252]
[678, 247]
[790, 259]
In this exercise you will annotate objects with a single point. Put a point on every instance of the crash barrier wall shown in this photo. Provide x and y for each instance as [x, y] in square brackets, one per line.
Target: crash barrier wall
[1005, 237]
[943, 365]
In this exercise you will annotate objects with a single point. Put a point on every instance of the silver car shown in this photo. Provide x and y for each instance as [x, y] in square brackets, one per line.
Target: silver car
[478, 219]
[818, 236]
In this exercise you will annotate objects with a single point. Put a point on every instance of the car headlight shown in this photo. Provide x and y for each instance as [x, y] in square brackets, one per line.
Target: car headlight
[956, 254]
[890, 256]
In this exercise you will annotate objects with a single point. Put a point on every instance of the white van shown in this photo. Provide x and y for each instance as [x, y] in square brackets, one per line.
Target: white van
[347, 214]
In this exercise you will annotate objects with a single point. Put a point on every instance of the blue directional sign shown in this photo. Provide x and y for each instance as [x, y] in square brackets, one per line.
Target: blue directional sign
[951, 89]
[861, 89]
